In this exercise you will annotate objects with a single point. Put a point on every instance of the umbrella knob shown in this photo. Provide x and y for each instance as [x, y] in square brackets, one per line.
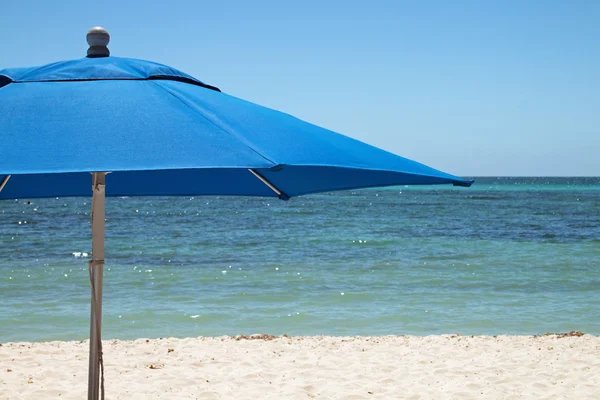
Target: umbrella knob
[98, 39]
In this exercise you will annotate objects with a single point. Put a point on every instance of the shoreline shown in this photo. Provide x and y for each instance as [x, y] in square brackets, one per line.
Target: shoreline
[350, 367]
[269, 337]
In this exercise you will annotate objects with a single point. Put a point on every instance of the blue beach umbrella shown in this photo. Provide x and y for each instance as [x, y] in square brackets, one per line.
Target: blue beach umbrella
[138, 128]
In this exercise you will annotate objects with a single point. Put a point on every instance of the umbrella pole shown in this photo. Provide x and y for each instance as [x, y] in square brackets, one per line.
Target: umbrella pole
[96, 267]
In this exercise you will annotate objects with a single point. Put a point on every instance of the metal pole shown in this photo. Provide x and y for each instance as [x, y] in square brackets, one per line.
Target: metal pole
[96, 267]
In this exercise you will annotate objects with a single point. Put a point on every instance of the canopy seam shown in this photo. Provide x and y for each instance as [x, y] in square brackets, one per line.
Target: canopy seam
[215, 125]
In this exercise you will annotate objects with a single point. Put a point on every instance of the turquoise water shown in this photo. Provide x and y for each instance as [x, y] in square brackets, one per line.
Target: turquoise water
[508, 255]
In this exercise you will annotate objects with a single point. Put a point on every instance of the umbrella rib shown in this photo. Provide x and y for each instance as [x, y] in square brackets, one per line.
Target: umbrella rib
[4, 182]
[278, 192]
[195, 109]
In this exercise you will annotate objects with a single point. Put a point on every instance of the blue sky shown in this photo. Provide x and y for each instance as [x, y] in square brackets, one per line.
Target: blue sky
[469, 87]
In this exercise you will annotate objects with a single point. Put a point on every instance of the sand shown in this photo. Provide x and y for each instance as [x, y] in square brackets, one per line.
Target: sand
[390, 367]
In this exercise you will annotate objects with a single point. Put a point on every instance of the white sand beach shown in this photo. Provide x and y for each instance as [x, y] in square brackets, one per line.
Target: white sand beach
[390, 367]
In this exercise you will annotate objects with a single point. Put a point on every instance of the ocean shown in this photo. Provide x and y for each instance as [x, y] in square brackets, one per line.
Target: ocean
[506, 256]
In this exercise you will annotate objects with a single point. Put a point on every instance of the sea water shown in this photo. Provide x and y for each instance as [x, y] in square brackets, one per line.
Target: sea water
[508, 255]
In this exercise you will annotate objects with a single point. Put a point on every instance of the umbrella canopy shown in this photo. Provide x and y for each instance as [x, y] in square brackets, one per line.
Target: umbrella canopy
[159, 131]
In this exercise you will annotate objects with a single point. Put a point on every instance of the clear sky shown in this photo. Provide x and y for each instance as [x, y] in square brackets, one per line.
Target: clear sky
[473, 88]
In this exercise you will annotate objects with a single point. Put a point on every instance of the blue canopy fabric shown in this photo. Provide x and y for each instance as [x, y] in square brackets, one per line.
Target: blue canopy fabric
[159, 131]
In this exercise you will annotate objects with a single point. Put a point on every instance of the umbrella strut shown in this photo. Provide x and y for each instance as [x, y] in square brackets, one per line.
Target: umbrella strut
[4, 182]
[278, 192]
